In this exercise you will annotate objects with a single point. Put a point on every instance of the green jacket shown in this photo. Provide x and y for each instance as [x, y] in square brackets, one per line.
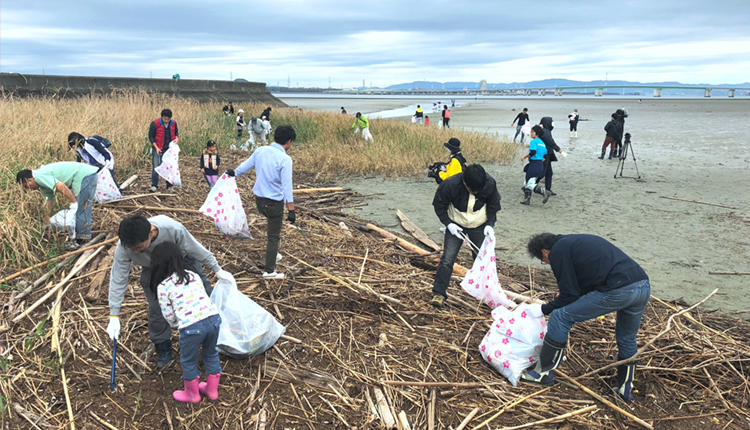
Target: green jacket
[361, 122]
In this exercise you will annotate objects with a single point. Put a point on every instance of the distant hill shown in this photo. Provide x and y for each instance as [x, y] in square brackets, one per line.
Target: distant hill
[431, 85]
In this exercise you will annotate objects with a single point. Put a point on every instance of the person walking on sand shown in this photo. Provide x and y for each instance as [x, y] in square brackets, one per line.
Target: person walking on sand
[210, 163]
[161, 132]
[240, 123]
[139, 238]
[467, 204]
[549, 142]
[186, 306]
[594, 278]
[74, 181]
[446, 117]
[613, 133]
[361, 123]
[521, 119]
[573, 121]
[535, 168]
[419, 114]
[272, 189]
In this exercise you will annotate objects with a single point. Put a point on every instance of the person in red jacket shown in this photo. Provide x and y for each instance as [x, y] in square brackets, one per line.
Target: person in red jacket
[161, 132]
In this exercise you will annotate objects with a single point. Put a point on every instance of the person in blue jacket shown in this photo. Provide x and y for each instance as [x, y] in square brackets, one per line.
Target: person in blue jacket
[535, 168]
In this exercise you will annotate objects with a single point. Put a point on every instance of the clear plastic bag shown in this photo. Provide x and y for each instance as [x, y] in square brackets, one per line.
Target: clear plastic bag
[65, 220]
[106, 188]
[224, 205]
[169, 169]
[513, 342]
[246, 328]
[481, 282]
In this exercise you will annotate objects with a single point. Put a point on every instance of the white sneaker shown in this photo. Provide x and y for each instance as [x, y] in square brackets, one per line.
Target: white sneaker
[274, 275]
[153, 189]
[278, 257]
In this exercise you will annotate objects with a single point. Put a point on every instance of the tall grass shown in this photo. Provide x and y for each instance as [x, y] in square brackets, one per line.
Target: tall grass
[33, 131]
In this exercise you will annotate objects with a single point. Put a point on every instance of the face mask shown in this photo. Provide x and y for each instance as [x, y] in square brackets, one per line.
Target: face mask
[552, 124]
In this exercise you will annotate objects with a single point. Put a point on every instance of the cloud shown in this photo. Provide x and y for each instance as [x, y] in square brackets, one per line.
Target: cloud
[384, 42]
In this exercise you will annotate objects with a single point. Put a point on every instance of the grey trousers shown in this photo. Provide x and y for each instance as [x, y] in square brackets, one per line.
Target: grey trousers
[273, 210]
[158, 328]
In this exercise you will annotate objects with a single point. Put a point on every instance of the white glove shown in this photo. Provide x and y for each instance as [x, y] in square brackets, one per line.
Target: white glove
[535, 310]
[225, 276]
[488, 231]
[454, 229]
[73, 207]
[564, 154]
[113, 328]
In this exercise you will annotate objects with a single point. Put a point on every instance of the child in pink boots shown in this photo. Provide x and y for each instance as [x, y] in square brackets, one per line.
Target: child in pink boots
[185, 305]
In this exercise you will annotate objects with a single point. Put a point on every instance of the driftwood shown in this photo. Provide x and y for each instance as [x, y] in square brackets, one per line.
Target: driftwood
[699, 202]
[43, 263]
[417, 232]
[157, 209]
[92, 295]
[128, 182]
[316, 190]
[730, 273]
[386, 416]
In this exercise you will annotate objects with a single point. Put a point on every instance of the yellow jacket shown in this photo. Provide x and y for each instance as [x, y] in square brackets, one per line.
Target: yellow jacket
[453, 167]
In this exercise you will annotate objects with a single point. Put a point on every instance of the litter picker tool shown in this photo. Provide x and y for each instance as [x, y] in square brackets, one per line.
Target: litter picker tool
[112, 379]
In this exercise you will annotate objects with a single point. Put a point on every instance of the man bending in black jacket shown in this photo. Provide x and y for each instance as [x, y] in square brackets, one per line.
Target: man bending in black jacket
[467, 204]
[594, 278]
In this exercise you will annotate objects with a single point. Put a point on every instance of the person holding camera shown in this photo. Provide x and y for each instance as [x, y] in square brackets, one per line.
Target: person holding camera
[272, 189]
[456, 164]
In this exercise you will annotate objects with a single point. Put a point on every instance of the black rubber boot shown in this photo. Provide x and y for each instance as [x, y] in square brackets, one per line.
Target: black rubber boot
[164, 355]
[549, 359]
[625, 375]
[604, 151]
[526, 197]
[612, 154]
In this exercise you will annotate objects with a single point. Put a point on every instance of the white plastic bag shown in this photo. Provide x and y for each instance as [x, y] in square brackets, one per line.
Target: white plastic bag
[65, 220]
[481, 281]
[246, 328]
[514, 341]
[414, 120]
[170, 165]
[224, 205]
[526, 128]
[106, 188]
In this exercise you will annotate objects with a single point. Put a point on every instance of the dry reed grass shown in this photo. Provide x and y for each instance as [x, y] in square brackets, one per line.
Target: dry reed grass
[33, 131]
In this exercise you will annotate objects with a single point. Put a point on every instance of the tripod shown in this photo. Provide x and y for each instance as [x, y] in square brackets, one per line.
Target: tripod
[624, 156]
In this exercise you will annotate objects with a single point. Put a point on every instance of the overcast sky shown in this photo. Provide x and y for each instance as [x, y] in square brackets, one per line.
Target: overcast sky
[384, 42]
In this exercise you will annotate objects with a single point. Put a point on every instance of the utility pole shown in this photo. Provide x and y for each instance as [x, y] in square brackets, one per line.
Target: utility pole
[230, 76]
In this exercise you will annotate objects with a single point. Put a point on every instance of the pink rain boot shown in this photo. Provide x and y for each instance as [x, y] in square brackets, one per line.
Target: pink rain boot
[210, 388]
[190, 395]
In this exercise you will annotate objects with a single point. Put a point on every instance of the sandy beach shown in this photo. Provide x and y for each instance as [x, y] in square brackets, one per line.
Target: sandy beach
[689, 149]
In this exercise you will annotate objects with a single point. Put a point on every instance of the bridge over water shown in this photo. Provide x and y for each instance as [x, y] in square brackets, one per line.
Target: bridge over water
[598, 91]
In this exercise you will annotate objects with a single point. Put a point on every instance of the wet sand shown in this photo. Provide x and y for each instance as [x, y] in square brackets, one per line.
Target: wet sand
[691, 149]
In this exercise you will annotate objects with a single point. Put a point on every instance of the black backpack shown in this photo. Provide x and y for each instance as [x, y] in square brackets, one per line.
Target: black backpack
[102, 140]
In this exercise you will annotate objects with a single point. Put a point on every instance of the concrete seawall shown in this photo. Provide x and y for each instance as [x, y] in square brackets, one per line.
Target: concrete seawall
[77, 86]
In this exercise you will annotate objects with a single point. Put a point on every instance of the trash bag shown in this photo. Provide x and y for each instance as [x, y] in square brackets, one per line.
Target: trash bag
[526, 128]
[481, 281]
[65, 221]
[246, 328]
[106, 188]
[414, 119]
[170, 165]
[514, 341]
[224, 205]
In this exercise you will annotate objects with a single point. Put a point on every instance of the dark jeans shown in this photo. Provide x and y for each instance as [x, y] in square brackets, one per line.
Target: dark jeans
[156, 162]
[158, 328]
[629, 302]
[518, 131]
[451, 246]
[85, 204]
[203, 333]
[273, 210]
[447, 122]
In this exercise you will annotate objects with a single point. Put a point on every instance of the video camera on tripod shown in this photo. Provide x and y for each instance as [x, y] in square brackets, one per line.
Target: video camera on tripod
[627, 145]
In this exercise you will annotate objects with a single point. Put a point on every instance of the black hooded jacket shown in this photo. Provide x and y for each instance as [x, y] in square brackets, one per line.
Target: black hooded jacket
[547, 138]
[453, 190]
